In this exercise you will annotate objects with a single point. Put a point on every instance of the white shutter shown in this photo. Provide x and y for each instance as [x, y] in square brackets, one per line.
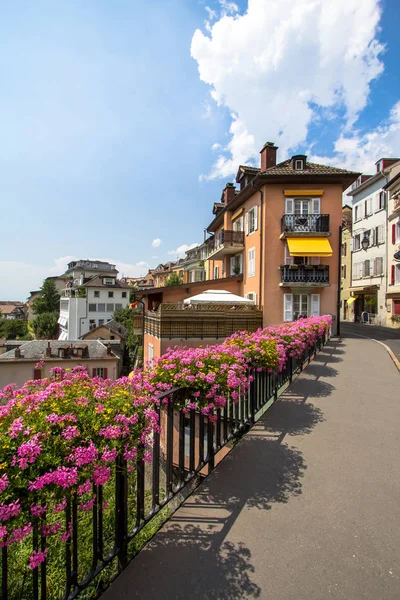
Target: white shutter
[371, 267]
[255, 209]
[247, 223]
[315, 304]
[241, 263]
[288, 259]
[372, 240]
[315, 260]
[240, 224]
[288, 307]
[289, 209]
[381, 234]
[316, 206]
[233, 262]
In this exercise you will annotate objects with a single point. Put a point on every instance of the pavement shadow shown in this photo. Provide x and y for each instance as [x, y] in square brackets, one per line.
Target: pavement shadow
[292, 417]
[319, 370]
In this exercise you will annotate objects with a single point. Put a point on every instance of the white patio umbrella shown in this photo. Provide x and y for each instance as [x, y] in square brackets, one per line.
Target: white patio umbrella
[217, 297]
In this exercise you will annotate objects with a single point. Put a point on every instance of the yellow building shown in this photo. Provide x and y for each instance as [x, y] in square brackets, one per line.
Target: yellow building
[392, 188]
[347, 302]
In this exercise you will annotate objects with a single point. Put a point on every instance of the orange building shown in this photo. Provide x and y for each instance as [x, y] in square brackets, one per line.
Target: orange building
[280, 230]
[276, 239]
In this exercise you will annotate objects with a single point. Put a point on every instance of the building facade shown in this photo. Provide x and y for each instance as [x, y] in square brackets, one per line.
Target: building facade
[369, 246]
[91, 303]
[392, 188]
[346, 308]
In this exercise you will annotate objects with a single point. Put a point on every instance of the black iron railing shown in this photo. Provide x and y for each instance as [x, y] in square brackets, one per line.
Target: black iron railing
[101, 542]
[227, 237]
[305, 223]
[305, 274]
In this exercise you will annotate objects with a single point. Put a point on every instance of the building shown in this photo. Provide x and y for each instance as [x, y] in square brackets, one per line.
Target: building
[85, 269]
[13, 310]
[346, 308]
[392, 189]
[275, 241]
[369, 249]
[140, 283]
[18, 364]
[112, 330]
[89, 303]
[280, 230]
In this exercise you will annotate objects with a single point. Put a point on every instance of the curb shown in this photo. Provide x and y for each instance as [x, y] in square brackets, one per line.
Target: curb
[388, 350]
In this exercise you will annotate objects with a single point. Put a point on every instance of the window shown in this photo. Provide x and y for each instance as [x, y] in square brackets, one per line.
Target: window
[92, 324]
[110, 307]
[344, 249]
[396, 306]
[37, 374]
[368, 207]
[251, 296]
[101, 307]
[370, 236]
[378, 266]
[382, 200]
[236, 265]
[251, 220]
[251, 263]
[343, 271]
[111, 294]
[100, 372]
[124, 294]
[357, 242]
[397, 275]
[357, 270]
[379, 235]
[238, 224]
[396, 230]
[366, 268]
[298, 165]
[117, 306]
[357, 213]
[299, 305]
[101, 322]
[108, 281]
[216, 272]
[301, 207]
[96, 294]
[92, 307]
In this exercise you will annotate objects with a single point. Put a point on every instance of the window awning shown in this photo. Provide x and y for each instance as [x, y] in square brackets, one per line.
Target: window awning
[309, 247]
[351, 300]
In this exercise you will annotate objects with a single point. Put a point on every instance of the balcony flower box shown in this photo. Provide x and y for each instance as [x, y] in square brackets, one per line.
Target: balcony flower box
[293, 267]
[309, 267]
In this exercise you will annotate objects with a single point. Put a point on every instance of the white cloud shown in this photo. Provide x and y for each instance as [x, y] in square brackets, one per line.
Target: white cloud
[156, 242]
[216, 147]
[142, 263]
[280, 65]
[180, 251]
[361, 151]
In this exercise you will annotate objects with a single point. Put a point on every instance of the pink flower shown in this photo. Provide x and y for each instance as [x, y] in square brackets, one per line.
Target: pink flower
[70, 432]
[36, 559]
[4, 482]
[101, 475]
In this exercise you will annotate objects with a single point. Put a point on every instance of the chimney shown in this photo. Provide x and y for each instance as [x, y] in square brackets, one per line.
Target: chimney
[17, 353]
[48, 350]
[268, 156]
[228, 193]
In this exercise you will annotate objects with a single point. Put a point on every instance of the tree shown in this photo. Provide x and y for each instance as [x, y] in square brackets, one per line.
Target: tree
[13, 329]
[174, 279]
[125, 317]
[45, 325]
[49, 299]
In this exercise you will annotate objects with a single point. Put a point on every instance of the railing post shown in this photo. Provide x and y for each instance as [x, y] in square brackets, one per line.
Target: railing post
[252, 397]
[290, 368]
[210, 446]
[121, 496]
[4, 574]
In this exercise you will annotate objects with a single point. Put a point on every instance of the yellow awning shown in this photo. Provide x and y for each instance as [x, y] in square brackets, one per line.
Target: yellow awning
[351, 300]
[237, 214]
[309, 247]
[311, 193]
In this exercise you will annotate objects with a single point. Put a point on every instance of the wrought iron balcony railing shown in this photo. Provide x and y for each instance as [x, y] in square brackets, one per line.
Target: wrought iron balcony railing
[305, 223]
[225, 241]
[313, 275]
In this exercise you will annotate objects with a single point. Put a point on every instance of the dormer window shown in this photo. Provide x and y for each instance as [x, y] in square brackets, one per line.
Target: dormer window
[108, 281]
[298, 162]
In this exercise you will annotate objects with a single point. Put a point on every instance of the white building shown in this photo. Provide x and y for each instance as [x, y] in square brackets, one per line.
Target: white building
[369, 239]
[89, 304]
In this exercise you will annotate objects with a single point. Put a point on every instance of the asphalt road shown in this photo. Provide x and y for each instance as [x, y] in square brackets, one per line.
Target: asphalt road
[391, 337]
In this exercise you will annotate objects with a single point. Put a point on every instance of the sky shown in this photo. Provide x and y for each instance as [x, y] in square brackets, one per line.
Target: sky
[121, 122]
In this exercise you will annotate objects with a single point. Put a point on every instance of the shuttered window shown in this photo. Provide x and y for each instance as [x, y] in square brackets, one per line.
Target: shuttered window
[251, 263]
[288, 307]
[251, 220]
[378, 266]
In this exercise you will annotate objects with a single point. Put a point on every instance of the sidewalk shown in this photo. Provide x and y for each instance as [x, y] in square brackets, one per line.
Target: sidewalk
[305, 507]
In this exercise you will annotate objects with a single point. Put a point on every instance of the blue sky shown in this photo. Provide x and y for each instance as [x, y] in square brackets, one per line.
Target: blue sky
[111, 139]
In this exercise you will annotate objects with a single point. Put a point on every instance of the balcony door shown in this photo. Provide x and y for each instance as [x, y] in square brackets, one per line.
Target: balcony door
[302, 207]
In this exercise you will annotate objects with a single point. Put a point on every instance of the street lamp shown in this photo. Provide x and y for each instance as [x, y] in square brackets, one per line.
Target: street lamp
[365, 242]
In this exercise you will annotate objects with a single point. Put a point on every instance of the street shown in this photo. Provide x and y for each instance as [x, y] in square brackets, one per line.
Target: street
[387, 335]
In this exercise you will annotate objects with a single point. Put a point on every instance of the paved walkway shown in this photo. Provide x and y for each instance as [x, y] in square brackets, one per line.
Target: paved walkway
[387, 335]
[305, 507]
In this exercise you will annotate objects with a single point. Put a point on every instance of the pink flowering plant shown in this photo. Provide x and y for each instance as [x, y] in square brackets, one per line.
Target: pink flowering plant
[60, 436]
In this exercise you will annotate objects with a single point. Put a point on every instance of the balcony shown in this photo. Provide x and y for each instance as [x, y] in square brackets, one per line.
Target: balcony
[304, 225]
[307, 275]
[227, 242]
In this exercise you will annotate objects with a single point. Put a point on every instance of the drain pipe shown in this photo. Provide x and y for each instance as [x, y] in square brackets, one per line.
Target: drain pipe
[261, 226]
[339, 301]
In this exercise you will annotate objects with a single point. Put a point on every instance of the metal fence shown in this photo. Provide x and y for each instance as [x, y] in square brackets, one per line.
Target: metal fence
[103, 540]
